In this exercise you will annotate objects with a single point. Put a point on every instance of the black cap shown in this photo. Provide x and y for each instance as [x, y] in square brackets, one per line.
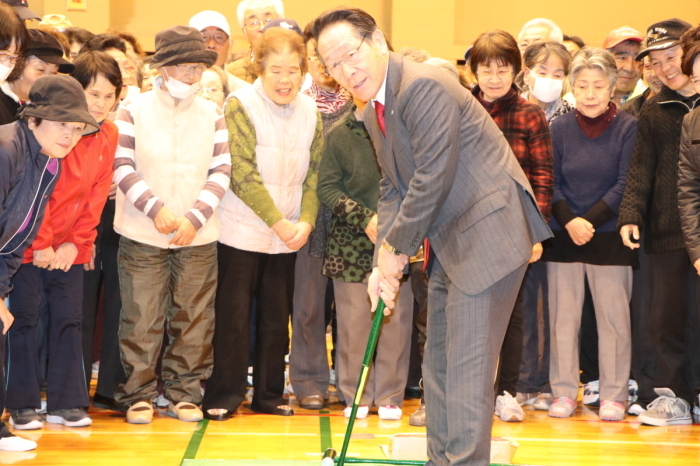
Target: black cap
[664, 35]
[59, 98]
[181, 44]
[46, 47]
[22, 9]
[284, 23]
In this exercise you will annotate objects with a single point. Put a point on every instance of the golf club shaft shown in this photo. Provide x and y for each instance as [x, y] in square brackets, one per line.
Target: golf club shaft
[369, 355]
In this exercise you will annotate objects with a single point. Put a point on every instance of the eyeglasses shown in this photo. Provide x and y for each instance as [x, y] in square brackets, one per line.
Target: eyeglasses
[488, 74]
[191, 69]
[257, 23]
[218, 38]
[349, 58]
[209, 90]
[7, 59]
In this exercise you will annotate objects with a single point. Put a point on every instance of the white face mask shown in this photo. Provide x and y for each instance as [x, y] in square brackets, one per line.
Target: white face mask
[5, 71]
[180, 90]
[547, 89]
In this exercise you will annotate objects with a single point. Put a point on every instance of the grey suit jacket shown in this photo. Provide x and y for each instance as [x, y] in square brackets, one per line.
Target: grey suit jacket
[449, 174]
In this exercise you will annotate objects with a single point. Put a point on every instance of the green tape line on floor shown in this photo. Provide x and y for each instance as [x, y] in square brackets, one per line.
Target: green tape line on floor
[195, 440]
[326, 437]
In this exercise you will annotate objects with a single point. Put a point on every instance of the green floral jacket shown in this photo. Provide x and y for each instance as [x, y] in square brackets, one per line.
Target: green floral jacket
[348, 184]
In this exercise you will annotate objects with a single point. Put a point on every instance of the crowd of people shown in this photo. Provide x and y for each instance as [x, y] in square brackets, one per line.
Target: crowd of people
[207, 202]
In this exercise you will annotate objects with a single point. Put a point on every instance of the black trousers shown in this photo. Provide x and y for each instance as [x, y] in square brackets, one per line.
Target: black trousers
[65, 377]
[4, 431]
[419, 286]
[643, 355]
[105, 277]
[673, 307]
[512, 348]
[244, 276]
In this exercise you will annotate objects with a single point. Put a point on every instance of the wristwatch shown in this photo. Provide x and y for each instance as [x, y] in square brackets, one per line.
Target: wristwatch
[391, 248]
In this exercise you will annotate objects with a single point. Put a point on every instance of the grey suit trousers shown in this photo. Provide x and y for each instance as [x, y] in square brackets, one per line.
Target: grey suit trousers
[611, 288]
[387, 378]
[308, 361]
[465, 335]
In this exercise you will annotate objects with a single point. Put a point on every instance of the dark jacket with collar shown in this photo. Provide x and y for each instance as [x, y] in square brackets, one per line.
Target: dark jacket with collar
[634, 106]
[25, 188]
[689, 183]
[651, 200]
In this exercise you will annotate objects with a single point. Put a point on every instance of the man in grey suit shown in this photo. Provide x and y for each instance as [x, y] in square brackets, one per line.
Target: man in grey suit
[448, 175]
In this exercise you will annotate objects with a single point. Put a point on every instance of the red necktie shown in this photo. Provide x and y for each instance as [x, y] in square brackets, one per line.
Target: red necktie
[379, 108]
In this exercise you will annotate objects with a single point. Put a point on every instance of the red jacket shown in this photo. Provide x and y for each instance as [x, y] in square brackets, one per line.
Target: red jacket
[75, 207]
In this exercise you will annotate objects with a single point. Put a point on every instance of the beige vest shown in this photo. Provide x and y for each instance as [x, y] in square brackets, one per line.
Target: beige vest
[282, 154]
[174, 148]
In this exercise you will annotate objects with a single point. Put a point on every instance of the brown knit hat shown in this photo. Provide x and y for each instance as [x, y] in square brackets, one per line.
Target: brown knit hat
[181, 44]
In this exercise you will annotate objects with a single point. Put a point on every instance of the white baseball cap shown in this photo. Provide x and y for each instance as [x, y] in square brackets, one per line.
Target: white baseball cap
[208, 18]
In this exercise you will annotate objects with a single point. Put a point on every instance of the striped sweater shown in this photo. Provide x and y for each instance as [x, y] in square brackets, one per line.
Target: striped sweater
[173, 156]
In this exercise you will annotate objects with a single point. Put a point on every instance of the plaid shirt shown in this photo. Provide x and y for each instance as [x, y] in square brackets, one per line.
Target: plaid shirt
[525, 127]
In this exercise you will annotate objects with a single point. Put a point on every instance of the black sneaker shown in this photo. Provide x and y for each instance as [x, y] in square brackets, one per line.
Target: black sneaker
[73, 417]
[25, 419]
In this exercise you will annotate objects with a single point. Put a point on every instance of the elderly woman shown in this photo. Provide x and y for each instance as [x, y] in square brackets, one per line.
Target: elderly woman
[308, 361]
[55, 263]
[592, 150]
[275, 137]
[172, 168]
[495, 61]
[545, 68]
[48, 130]
[214, 86]
[349, 186]
[42, 57]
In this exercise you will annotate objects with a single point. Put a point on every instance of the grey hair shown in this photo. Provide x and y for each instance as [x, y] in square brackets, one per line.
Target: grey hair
[414, 54]
[593, 58]
[444, 65]
[246, 4]
[555, 33]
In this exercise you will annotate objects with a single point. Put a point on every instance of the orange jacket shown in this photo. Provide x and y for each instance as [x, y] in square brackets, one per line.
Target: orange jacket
[75, 207]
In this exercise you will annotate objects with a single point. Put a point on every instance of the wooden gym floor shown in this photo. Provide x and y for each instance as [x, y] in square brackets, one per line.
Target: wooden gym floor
[581, 440]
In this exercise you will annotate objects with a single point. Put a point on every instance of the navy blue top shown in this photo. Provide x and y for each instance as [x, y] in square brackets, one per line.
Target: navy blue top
[589, 181]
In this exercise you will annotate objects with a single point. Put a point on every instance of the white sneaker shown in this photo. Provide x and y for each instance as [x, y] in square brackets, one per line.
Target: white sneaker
[362, 412]
[14, 443]
[508, 409]
[543, 402]
[696, 415]
[331, 377]
[591, 393]
[611, 411]
[635, 409]
[562, 407]
[666, 410]
[389, 413]
[161, 401]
